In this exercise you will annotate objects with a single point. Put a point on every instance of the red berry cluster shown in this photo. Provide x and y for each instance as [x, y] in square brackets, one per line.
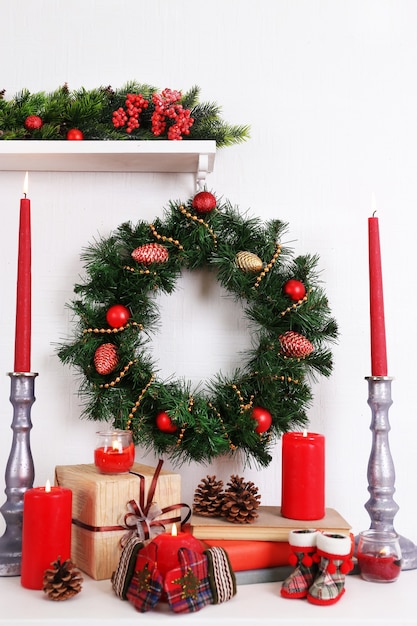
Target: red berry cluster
[135, 103]
[167, 106]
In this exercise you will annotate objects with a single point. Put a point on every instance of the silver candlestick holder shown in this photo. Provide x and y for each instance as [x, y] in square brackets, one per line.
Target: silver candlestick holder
[381, 472]
[19, 473]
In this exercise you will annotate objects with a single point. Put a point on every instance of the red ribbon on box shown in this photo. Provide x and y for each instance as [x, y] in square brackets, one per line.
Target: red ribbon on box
[142, 516]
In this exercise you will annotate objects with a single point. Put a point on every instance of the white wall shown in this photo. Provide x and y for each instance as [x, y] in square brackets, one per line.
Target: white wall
[329, 90]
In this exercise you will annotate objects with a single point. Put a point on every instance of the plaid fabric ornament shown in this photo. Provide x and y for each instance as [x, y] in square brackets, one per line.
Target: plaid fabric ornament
[125, 569]
[145, 587]
[188, 587]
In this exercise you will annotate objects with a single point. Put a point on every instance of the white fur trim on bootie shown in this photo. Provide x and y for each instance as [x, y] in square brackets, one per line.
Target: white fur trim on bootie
[303, 538]
[334, 543]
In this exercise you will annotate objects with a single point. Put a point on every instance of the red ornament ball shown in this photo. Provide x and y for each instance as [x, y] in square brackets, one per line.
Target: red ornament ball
[294, 289]
[117, 316]
[74, 134]
[33, 122]
[164, 423]
[263, 418]
[204, 202]
[106, 358]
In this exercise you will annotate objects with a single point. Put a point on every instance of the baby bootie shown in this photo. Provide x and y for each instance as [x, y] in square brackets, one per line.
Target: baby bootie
[335, 552]
[303, 558]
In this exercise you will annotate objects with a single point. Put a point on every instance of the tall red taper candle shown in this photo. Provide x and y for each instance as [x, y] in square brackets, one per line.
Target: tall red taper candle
[379, 365]
[24, 288]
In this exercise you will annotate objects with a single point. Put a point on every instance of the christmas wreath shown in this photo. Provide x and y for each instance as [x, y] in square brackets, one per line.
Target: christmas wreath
[134, 111]
[116, 315]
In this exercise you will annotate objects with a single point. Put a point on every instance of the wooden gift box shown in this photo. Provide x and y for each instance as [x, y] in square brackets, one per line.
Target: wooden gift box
[100, 500]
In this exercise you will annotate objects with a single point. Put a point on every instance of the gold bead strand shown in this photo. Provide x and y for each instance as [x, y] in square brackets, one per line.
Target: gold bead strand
[139, 400]
[294, 306]
[118, 378]
[269, 266]
[243, 406]
[165, 239]
[226, 434]
[193, 217]
[111, 331]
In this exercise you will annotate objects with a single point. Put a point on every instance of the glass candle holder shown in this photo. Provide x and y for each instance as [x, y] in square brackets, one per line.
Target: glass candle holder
[114, 452]
[379, 556]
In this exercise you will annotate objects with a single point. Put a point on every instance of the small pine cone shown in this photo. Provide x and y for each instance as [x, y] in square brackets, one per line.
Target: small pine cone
[295, 345]
[241, 501]
[248, 261]
[62, 581]
[106, 358]
[208, 497]
[150, 253]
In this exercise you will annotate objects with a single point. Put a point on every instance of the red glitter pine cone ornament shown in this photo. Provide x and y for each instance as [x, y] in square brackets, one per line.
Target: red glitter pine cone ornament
[150, 253]
[106, 358]
[295, 345]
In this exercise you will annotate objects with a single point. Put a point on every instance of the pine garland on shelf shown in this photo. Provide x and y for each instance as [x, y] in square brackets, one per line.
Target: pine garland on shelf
[117, 314]
[134, 111]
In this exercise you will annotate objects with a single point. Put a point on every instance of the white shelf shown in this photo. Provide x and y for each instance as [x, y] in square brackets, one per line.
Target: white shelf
[363, 604]
[109, 156]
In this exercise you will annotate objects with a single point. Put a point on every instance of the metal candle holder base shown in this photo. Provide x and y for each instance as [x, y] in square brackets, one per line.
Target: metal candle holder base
[19, 474]
[381, 473]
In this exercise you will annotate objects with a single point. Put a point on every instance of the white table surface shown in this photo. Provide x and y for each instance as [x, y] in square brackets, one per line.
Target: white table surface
[363, 604]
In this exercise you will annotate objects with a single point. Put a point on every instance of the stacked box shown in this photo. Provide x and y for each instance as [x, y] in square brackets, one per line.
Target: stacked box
[99, 504]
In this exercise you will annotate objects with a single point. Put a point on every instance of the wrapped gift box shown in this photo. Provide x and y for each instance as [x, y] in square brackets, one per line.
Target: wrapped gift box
[100, 502]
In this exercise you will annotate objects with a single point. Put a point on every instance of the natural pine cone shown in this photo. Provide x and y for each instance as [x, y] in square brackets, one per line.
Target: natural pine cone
[241, 501]
[208, 497]
[62, 581]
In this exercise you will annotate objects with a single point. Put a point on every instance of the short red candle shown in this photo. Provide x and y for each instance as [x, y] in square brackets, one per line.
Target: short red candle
[111, 460]
[303, 479]
[24, 289]
[46, 532]
[379, 568]
[379, 365]
[164, 549]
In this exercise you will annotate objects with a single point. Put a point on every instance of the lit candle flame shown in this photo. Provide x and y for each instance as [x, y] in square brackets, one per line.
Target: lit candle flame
[26, 185]
[47, 486]
[117, 446]
[174, 531]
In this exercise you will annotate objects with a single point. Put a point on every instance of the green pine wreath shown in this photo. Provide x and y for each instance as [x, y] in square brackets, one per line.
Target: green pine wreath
[116, 315]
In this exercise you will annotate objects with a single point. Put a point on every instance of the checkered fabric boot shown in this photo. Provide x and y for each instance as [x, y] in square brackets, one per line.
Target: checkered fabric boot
[303, 558]
[335, 552]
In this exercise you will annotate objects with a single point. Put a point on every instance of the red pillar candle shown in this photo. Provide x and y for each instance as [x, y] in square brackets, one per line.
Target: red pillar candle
[303, 477]
[46, 531]
[24, 289]
[376, 301]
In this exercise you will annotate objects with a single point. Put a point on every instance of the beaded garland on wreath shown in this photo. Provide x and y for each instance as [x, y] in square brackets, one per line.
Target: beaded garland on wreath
[116, 309]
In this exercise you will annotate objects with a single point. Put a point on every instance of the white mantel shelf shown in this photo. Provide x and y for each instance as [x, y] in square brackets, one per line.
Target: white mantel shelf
[109, 156]
[363, 604]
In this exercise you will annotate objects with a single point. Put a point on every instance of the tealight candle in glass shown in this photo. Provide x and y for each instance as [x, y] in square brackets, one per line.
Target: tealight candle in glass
[379, 556]
[114, 452]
